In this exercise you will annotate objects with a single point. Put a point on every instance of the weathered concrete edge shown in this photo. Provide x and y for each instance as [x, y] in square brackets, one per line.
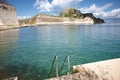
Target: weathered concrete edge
[90, 69]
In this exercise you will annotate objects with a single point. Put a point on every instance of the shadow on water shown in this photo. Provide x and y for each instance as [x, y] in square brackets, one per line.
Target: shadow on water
[23, 72]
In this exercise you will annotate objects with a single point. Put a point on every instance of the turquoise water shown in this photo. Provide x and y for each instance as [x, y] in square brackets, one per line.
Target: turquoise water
[28, 52]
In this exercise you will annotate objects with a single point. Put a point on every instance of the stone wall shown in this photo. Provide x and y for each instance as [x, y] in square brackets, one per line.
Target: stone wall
[8, 15]
[47, 18]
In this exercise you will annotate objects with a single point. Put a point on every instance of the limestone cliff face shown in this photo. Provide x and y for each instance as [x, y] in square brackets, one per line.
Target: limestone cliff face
[8, 15]
[46, 19]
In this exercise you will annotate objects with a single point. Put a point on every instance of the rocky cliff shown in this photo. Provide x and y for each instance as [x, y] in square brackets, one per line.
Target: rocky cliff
[8, 15]
[74, 13]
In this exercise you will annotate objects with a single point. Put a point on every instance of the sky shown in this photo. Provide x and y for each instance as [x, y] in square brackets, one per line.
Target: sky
[100, 8]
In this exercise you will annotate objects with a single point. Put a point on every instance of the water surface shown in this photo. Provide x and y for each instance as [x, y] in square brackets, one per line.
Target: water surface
[28, 52]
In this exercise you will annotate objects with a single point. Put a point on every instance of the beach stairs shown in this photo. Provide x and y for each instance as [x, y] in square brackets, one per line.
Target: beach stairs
[55, 62]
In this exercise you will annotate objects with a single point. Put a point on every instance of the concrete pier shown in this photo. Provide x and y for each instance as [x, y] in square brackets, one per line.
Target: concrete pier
[103, 70]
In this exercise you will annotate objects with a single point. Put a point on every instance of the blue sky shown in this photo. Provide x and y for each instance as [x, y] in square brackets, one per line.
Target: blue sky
[100, 8]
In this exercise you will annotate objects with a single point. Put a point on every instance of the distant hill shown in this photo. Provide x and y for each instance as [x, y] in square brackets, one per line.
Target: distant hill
[67, 16]
[74, 13]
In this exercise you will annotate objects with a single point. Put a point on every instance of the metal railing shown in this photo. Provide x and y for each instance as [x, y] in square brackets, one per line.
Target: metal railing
[55, 60]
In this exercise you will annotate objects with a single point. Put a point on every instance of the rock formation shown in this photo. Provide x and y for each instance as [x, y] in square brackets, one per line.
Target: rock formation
[74, 13]
[8, 15]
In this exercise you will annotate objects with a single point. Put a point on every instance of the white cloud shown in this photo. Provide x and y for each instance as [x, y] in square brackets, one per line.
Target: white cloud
[94, 8]
[23, 17]
[113, 13]
[55, 5]
[43, 5]
[65, 3]
[100, 11]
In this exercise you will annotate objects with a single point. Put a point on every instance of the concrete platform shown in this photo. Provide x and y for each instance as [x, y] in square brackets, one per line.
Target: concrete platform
[103, 70]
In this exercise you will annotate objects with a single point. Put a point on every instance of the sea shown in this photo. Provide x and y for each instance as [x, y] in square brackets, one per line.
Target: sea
[28, 53]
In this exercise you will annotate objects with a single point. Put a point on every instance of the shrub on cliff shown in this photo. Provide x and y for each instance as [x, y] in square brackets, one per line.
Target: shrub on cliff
[71, 12]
